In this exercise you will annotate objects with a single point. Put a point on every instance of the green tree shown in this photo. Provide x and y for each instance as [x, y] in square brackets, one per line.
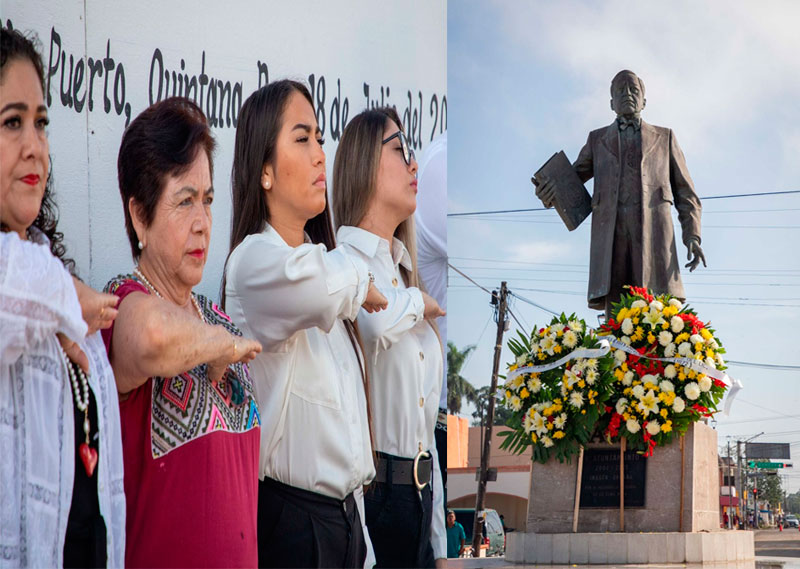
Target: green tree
[458, 388]
[793, 503]
[501, 414]
[771, 491]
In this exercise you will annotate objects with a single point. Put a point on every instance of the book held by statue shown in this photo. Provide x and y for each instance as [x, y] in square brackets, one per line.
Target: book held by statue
[572, 202]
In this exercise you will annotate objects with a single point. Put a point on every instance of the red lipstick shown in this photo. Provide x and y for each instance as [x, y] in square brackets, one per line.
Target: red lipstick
[31, 179]
[198, 253]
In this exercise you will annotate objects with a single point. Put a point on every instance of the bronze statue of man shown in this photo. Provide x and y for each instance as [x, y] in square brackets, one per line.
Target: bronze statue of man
[639, 172]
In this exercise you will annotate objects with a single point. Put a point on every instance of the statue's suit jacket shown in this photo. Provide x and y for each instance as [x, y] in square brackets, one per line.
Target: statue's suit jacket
[665, 181]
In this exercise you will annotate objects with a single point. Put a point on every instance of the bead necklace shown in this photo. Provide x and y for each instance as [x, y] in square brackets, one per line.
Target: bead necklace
[80, 392]
[138, 272]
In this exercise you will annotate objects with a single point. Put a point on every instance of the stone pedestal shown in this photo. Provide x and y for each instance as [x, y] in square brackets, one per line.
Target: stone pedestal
[552, 494]
[630, 548]
[653, 533]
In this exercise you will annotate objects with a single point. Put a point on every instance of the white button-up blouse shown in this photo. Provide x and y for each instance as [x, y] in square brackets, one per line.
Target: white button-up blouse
[405, 363]
[314, 429]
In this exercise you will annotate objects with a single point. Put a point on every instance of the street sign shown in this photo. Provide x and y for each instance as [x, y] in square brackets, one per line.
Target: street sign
[768, 465]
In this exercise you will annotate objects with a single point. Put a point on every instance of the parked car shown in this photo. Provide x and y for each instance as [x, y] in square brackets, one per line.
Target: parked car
[791, 521]
[493, 534]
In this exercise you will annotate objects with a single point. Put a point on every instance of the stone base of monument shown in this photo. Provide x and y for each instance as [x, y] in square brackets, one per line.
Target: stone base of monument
[629, 548]
[671, 512]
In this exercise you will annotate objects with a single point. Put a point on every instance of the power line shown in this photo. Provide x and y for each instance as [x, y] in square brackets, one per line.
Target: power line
[493, 212]
[765, 366]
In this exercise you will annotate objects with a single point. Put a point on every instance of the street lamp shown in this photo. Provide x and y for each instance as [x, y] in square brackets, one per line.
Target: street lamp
[739, 458]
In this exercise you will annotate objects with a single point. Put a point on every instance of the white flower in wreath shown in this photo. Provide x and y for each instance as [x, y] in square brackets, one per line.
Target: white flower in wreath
[620, 356]
[676, 324]
[638, 391]
[664, 338]
[507, 384]
[653, 428]
[720, 360]
[685, 350]
[541, 406]
[535, 348]
[564, 390]
[579, 365]
[711, 362]
[591, 363]
[653, 319]
[534, 384]
[515, 403]
[678, 405]
[639, 303]
[656, 305]
[522, 359]
[669, 350]
[547, 442]
[517, 382]
[649, 378]
[632, 425]
[539, 424]
[560, 421]
[557, 327]
[696, 338]
[627, 326]
[570, 339]
[548, 345]
[627, 379]
[692, 391]
[576, 399]
[705, 383]
[621, 405]
[676, 303]
[576, 325]
[626, 340]
[712, 343]
[571, 378]
[527, 423]
[648, 403]
[591, 376]
[666, 386]
[670, 372]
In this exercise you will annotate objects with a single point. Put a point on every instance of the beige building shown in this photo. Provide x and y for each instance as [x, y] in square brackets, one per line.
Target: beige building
[508, 494]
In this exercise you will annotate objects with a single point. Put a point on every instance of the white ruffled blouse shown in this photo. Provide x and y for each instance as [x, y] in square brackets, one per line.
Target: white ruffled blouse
[37, 439]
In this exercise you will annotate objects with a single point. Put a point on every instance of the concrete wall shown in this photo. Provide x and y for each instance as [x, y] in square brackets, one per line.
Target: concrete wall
[350, 53]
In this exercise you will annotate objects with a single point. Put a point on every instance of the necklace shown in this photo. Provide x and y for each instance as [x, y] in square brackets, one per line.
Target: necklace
[138, 272]
[80, 392]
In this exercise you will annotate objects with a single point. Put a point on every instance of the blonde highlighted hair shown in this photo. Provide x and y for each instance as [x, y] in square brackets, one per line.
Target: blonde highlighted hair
[355, 178]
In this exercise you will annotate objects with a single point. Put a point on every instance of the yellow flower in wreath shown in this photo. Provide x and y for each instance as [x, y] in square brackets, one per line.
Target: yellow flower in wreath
[524, 393]
[558, 435]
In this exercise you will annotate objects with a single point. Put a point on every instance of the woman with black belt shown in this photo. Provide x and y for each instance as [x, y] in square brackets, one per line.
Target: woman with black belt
[289, 287]
[374, 198]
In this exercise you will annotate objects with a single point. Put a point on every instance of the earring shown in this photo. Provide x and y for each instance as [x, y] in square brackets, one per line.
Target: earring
[140, 246]
[267, 184]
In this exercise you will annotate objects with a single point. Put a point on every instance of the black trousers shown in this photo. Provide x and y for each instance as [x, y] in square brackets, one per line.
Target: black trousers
[298, 528]
[399, 524]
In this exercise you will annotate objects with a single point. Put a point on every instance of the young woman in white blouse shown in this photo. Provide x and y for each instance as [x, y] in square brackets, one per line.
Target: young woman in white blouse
[374, 198]
[288, 287]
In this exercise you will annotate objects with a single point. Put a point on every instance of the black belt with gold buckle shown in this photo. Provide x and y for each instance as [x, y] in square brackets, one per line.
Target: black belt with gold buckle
[412, 471]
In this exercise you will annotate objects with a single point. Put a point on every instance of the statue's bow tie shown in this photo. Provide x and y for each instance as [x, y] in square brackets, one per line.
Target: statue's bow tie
[625, 123]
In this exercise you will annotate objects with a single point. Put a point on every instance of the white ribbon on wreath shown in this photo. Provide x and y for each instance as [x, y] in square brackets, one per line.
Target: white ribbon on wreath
[605, 345]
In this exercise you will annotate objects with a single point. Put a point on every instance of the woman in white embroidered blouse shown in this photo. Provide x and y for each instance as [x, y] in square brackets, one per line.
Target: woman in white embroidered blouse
[56, 419]
[374, 198]
[288, 287]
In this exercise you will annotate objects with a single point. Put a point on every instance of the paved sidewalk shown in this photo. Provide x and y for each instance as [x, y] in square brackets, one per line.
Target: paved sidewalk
[500, 562]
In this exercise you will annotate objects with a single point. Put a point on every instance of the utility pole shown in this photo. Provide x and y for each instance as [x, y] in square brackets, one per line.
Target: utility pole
[739, 476]
[487, 440]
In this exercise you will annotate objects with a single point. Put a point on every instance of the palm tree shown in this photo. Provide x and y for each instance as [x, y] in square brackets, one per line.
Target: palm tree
[458, 388]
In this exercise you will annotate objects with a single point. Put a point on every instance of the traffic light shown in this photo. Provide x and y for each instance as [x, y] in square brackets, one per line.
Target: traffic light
[755, 491]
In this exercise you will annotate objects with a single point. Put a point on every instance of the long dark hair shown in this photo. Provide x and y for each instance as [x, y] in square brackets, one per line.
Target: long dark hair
[14, 47]
[260, 122]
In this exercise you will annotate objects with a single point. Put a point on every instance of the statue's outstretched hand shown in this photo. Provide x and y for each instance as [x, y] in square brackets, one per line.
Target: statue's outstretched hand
[545, 190]
[694, 255]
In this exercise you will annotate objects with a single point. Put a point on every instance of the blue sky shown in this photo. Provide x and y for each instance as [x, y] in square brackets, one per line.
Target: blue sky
[526, 79]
